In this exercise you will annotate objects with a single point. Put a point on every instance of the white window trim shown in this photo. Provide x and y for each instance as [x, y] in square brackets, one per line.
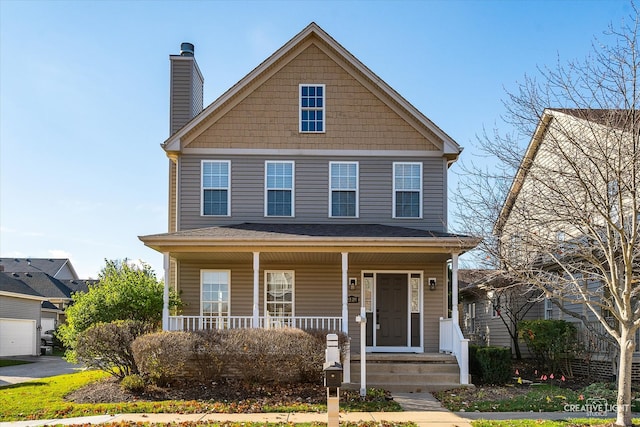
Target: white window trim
[357, 190]
[293, 189]
[323, 109]
[202, 187]
[393, 206]
[293, 290]
[202, 272]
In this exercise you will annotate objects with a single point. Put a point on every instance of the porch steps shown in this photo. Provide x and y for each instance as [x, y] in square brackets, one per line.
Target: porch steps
[408, 373]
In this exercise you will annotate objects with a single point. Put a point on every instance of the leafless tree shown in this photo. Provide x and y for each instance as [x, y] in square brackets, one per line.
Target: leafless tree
[562, 214]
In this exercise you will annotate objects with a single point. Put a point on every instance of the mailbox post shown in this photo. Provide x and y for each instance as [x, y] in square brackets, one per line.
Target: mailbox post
[332, 379]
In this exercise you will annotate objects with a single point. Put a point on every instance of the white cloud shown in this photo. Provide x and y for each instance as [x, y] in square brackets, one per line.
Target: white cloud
[59, 253]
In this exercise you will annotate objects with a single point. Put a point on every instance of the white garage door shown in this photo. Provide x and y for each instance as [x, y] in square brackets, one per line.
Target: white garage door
[17, 337]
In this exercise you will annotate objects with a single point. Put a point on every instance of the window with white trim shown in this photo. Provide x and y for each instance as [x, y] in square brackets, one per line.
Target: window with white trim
[279, 184]
[216, 183]
[312, 108]
[279, 286]
[407, 190]
[343, 177]
[214, 288]
[548, 309]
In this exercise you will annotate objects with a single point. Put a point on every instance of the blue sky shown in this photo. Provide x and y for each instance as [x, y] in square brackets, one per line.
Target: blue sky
[84, 89]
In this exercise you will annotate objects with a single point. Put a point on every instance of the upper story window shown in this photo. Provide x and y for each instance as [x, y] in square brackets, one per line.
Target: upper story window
[312, 108]
[279, 182]
[407, 190]
[343, 186]
[216, 184]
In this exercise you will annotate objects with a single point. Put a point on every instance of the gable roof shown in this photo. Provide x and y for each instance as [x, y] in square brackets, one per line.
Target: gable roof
[606, 117]
[50, 266]
[44, 285]
[314, 33]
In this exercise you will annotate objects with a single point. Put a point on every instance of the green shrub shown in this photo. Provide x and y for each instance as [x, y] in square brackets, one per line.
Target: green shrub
[134, 383]
[107, 346]
[474, 365]
[553, 343]
[495, 364]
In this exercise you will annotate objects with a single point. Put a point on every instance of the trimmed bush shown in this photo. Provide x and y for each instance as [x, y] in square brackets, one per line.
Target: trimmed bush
[162, 357]
[252, 355]
[474, 365]
[107, 346]
[494, 364]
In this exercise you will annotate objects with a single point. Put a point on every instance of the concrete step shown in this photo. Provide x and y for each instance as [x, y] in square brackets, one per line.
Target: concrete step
[408, 368]
[409, 378]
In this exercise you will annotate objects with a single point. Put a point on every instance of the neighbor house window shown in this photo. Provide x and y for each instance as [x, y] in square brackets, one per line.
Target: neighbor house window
[344, 188]
[279, 293]
[407, 190]
[279, 181]
[548, 309]
[215, 187]
[214, 297]
[311, 108]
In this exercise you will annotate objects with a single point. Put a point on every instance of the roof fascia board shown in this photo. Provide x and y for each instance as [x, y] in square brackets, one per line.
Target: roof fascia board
[523, 169]
[23, 296]
[174, 142]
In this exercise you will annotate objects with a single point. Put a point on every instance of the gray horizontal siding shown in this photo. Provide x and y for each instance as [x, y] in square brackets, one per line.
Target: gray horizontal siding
[19, 308]
[312, 192]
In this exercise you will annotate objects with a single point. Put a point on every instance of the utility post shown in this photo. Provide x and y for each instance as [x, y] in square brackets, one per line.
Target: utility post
[332, 379]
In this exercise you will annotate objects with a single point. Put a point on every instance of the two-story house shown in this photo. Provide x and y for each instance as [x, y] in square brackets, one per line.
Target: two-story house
[570, 227]
[306, 192]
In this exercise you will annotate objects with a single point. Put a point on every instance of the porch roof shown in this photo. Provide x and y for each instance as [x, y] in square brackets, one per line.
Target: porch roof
[311, 238]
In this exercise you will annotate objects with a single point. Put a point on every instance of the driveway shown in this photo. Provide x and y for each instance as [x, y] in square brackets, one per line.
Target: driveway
[42, 367]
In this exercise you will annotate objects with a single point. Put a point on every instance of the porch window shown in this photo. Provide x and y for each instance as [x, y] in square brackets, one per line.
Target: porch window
[279, 293]
[279, 181]
[344, 189]
[312, 108]
[407, 190]
[215, 187]
[214, 292]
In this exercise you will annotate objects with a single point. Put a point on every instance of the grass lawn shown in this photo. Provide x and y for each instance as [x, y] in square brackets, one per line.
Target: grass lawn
[12, 362]
[42, 399]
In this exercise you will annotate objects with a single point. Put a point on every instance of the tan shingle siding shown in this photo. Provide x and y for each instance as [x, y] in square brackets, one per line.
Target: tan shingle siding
[268, 117]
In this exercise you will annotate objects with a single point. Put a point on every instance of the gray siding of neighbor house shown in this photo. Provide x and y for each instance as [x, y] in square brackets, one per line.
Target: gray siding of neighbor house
[312, 191]
[19, 308]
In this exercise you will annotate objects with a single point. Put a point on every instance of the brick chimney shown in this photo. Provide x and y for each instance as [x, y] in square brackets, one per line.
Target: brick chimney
[186, 88]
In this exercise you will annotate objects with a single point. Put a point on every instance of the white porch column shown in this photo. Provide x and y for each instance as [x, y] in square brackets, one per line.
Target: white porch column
[256, 288]
[165, 293]
[454, 288]
[345, 289]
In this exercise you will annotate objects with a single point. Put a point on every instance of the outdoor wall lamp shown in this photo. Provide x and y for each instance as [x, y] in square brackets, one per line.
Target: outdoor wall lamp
[432, 283]
[353, 283]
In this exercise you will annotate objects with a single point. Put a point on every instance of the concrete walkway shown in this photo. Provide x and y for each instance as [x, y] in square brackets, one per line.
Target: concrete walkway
[41, 367]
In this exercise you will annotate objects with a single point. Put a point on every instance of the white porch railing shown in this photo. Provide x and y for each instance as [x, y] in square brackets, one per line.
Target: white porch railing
[452, 341]
[195, 323]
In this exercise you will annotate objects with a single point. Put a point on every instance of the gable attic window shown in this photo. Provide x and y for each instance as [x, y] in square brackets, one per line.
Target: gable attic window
[279, 188]
[407, 190]
[215, 187]
[312, 108]
[344, 189]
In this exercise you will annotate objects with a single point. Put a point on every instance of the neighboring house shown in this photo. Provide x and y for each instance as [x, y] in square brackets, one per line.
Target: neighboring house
[569, 140]
[306, 191]
[59, 268]
[50, 282]
[492, 307]
[20, 313]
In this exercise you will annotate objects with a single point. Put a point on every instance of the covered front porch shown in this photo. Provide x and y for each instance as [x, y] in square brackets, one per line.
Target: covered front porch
[321, 278]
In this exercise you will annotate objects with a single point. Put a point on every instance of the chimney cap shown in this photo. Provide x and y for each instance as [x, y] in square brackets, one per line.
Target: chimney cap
[186, 49]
